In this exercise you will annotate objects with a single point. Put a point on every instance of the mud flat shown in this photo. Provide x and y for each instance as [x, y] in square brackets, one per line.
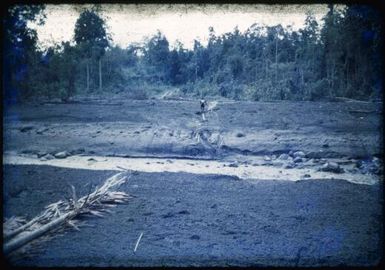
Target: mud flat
[204, 220]
[258, 184]
[168, 129]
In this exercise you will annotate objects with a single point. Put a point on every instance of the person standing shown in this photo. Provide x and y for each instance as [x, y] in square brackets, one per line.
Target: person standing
[203, 108]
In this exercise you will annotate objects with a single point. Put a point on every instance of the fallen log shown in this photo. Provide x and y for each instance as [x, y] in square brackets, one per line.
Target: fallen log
[8, 235]
[27, 237]
[363, 111]
[60, 213]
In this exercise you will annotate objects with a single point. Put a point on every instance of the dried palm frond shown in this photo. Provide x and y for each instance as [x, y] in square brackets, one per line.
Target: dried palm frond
[18, 232]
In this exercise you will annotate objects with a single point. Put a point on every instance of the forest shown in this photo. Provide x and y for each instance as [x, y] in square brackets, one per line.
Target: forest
[342, 57]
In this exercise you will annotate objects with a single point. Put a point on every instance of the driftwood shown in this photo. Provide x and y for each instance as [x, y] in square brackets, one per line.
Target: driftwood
[62, 213]
[363, 111]
[137, 242]
[344, 99]
[27, 237]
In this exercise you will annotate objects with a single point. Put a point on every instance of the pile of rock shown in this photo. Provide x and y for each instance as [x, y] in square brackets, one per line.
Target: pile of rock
[59, 155]
[372, 166]
[294, 159]
[332, 167]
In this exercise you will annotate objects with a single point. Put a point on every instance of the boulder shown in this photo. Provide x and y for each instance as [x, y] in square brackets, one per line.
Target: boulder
[300, 165]
[77, 151]
[298, 160]
[26, 128]
[267, 158]
[62, 154]
[290, 165]
[49, 157]
[299, 154]
[277, 163]
[41, 154]
[332, 167]
[41, 131]
[195, 237]
[283, 157]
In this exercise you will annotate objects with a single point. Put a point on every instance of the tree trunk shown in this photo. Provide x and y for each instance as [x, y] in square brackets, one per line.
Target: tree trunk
[88, 76]
[276, 60]
[20, 241]
[100, 74]
[331, 79]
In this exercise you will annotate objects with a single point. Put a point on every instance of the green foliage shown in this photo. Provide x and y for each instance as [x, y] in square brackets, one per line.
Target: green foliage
[19, 49]
[90, 34]
[343, 58]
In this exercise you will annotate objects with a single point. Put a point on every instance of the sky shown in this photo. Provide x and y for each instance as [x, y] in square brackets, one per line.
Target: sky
[129, 24]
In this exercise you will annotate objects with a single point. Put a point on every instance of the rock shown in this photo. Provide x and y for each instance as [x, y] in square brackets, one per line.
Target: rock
[77, 151]
[26, 128]
[299, 154]
[49, 157]
[168, 215]
[298, 160]
[41, 154]
[332, 167]
[290, 165]
[62, 154]
[300, 165]
[30, 152]
[41, 131]
[310, 161]
[235, 165]
[267, 158]
[239, 135]
[325, 145]
[307, 175]
[195, 237]
[277, 163]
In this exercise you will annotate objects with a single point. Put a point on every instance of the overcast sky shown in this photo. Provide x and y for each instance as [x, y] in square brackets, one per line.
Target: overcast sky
[133, 23]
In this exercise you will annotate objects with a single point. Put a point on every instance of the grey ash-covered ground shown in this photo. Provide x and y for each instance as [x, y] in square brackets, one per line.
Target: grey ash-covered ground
[202, 220]
[166, 127]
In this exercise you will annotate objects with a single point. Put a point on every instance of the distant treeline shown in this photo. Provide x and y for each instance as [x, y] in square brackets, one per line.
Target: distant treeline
[343, 58]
